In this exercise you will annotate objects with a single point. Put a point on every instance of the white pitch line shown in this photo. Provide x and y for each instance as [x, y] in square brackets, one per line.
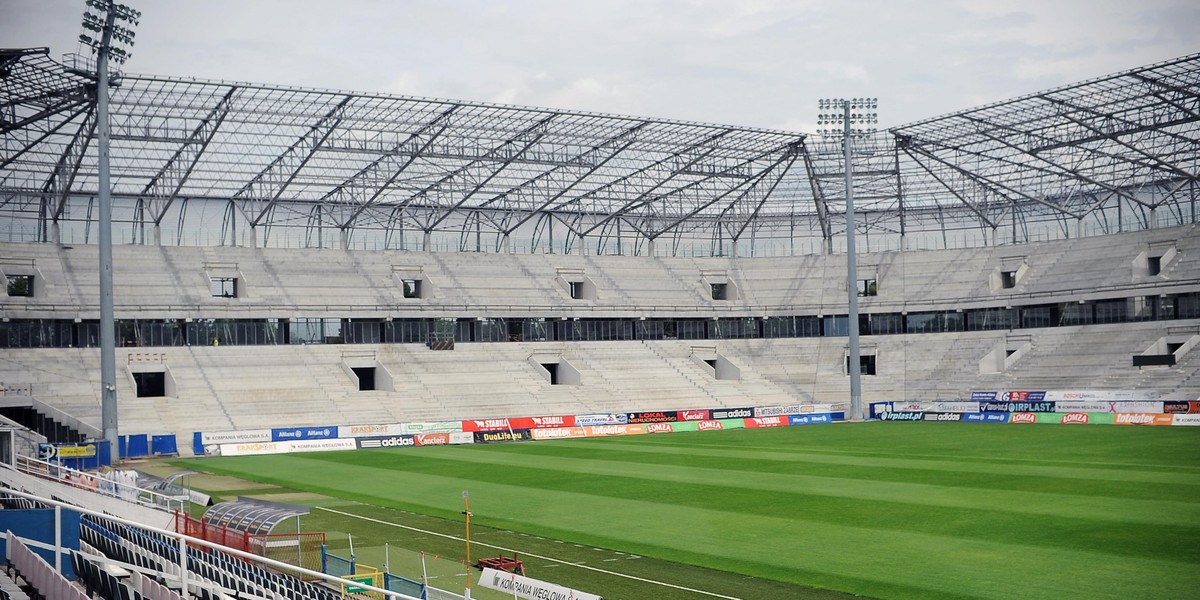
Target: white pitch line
[563, 562]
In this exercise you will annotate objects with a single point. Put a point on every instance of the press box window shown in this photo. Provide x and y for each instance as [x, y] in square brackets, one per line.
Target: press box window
[1153, 265]
[224, 287]
[576, 289]
[20, 285]
[868, 287]
[412, 288]
[1008, 279]
[720, 291]
[866, 364]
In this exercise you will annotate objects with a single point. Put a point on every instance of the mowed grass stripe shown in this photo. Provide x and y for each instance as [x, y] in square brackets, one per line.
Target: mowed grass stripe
[908, 507]
[967, 479]
[1069, 499]
[948, 464]
[791, 549]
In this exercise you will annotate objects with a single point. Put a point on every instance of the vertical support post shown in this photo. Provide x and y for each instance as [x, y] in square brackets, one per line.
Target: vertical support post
[108, 361]
[467, 512]
[183, 583]
[58, 549]
[856, 412]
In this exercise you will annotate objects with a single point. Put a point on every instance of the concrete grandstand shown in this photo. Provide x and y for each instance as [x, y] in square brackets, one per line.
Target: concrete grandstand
[293, 257]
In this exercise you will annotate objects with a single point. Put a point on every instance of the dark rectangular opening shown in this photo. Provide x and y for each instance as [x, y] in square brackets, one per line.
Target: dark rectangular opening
[224, 287]
[1008, 279]
[720, 291]
[1173, 347]
[868, 287]
[20, 285]
[576, 289]
[1154, 265]
[1154, 360]
[150, 385]
[412, 288]
[866, 364]
[366, 378]
[552, 368]
[1009, 352]
[712, 362]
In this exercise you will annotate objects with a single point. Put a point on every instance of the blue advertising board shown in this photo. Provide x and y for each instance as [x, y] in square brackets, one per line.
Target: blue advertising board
[292, 434]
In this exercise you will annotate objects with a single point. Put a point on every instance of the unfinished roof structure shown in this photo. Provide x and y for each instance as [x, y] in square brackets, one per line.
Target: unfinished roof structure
[200, 162]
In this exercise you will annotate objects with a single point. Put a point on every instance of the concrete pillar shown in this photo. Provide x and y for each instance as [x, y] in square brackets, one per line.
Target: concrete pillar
[427, 242]
[344, 238]
[253, 237]
[582, 244]
[505, 245]
[55, 233]
[650, 247]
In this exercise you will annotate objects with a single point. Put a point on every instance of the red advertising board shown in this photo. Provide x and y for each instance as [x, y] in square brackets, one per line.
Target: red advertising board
[694, 415]
[766, 422]
[432, 439]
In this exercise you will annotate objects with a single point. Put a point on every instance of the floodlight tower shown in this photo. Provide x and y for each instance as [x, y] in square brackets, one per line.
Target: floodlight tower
[109, 41]
[852, 126]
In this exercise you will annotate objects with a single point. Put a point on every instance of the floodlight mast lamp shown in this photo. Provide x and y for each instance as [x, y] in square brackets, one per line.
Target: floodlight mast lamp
[107, 46]
[852, 126]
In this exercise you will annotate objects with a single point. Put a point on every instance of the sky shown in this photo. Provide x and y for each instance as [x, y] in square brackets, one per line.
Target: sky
[753, 63]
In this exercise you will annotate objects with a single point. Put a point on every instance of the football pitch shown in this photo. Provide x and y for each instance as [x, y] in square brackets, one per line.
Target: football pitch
[881, 510]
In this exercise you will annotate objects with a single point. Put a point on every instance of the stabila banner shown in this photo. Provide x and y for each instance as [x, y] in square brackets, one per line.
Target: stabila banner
[529, 588]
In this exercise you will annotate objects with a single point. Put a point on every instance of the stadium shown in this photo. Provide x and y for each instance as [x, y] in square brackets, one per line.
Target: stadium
[301, 275]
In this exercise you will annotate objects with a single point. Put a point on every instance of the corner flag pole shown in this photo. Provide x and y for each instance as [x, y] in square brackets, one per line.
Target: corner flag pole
[467, 512]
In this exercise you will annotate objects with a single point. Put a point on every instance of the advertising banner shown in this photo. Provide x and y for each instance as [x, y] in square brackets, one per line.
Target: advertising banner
[286, 447]
[1022, 417]
[353, 431]
[558, 433]
[715, 425]
[1180, 407]
[235, 437]
[77, 451]
[1009, 396]
[431, 427]
[893, 416]
[1191, 420]
[1102, 395]
[668, 427]
[389, 441]
[586, 420]
[462, 437]
[693, 415]
[1016, 407]
[432, 439]
[490, 437]
[487, 425]
[778, 411]
[813, 419]
[986, 417]
[757, 422]
[520, 586]
[942, 416]
[1076, 418]
[564, 421]
[653, 417]
[718, 414]
[1142, 419]
[292, 434]
[1111, 406]
[941, 406]
[615, 429]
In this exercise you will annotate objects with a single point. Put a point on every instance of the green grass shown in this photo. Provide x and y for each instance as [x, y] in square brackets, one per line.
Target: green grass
[885, 510]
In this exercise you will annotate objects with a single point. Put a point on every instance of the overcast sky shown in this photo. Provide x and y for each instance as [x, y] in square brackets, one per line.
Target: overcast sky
[760, 63]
